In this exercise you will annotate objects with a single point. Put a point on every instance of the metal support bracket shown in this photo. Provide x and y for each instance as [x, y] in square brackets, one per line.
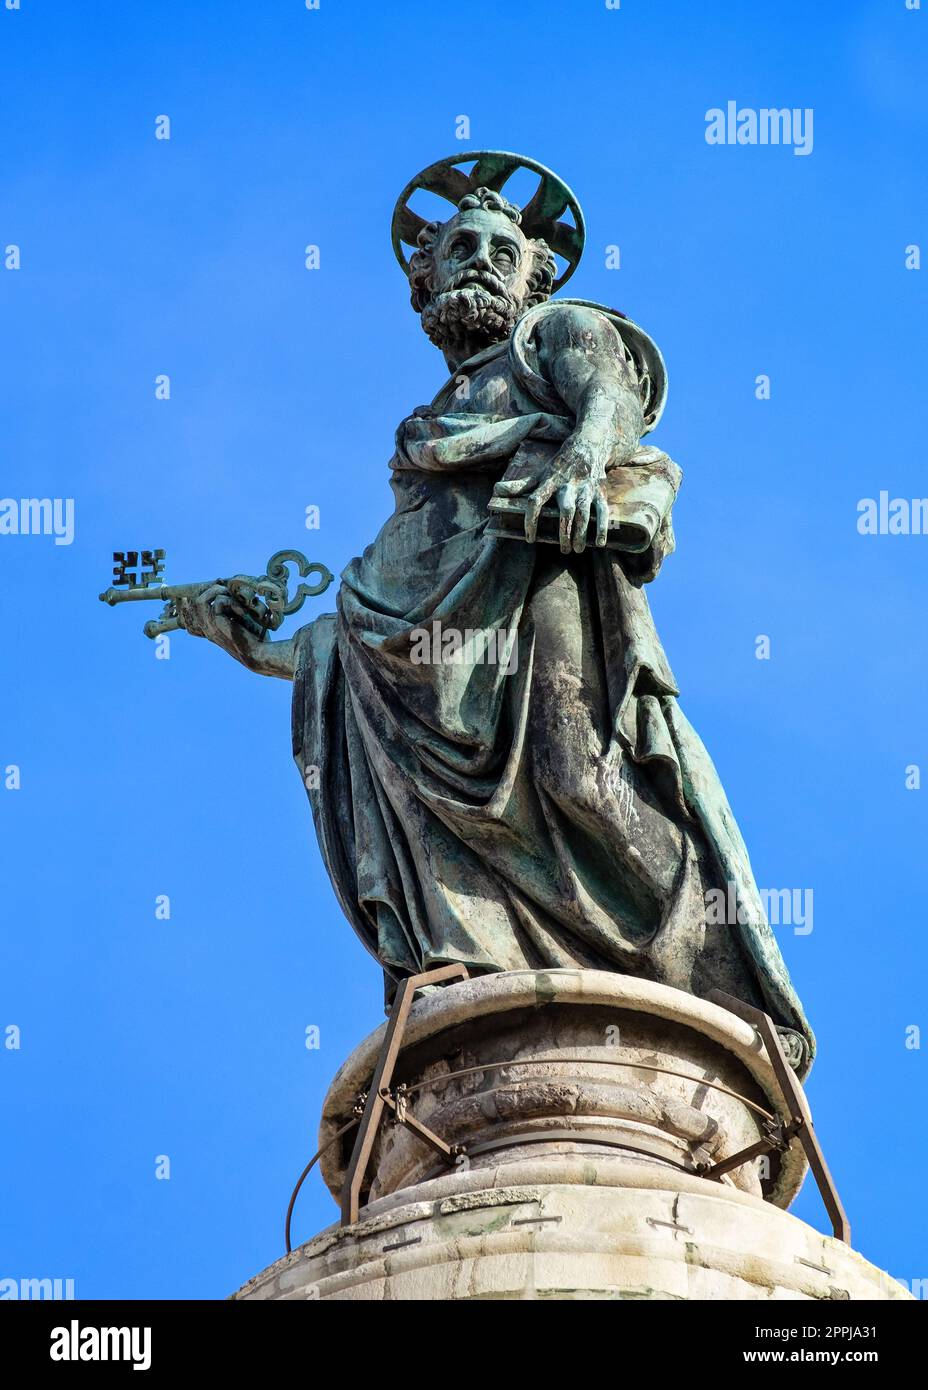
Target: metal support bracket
[777, 1136]
[381, 1096]
[799, 1125]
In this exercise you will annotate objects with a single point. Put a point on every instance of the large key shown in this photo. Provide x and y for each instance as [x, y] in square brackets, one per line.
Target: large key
[265, 598]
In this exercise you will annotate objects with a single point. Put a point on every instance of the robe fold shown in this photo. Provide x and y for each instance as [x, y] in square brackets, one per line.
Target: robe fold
[505, 776]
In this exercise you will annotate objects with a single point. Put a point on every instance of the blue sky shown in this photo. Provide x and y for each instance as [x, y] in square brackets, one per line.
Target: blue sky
[140, 777]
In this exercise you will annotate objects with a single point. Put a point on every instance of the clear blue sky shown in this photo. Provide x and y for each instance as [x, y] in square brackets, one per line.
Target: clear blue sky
[142, 777]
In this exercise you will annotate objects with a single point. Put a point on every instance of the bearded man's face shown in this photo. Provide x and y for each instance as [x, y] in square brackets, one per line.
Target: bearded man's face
[480, 280]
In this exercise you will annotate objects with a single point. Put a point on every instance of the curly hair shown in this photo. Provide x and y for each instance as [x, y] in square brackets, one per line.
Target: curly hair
[542, 273]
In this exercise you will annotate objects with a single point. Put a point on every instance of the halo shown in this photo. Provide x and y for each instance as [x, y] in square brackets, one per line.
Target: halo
[492, 169]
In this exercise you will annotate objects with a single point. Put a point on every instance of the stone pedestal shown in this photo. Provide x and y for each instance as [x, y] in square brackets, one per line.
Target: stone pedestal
[587, 1104]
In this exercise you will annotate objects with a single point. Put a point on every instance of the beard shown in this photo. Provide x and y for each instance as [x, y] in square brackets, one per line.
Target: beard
[481, 311]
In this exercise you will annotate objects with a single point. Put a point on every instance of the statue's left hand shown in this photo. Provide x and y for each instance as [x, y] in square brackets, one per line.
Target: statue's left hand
[576, 477]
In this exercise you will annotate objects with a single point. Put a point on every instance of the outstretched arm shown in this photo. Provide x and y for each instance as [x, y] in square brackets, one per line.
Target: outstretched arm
[581, 355]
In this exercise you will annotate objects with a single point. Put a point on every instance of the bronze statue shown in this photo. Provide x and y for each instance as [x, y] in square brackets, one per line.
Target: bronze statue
[499, 770]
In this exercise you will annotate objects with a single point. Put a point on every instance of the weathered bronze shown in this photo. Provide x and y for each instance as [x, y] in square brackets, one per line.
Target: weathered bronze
[499, 770]
[261, 602]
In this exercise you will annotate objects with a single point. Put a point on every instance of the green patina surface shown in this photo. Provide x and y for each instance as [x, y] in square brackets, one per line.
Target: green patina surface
[499, 768]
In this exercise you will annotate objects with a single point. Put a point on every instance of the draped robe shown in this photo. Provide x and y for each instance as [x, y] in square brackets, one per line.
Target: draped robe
[552, 809]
